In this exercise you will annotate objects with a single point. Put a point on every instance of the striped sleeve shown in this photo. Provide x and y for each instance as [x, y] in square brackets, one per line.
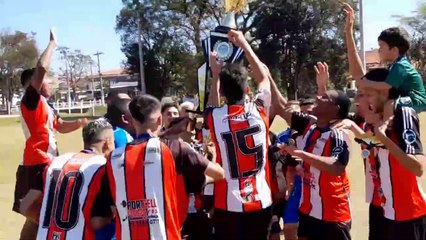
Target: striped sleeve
[406, 126]
[339, 147]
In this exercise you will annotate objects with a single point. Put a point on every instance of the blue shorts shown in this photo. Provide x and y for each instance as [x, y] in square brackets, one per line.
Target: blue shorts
[106, 233]
[291, 213]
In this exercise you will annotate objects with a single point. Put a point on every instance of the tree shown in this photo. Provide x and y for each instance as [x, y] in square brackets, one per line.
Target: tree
[417, 25]
[289, 35]
[18, 51]
[171, 35]
[293, 35]
[77, 65]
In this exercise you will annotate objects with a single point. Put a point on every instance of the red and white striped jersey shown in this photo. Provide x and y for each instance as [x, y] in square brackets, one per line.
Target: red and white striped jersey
[324, 196]
[404, 198]
[373, 191]
[38, 124]
[142, 178]
[70, 195]
[241, 137]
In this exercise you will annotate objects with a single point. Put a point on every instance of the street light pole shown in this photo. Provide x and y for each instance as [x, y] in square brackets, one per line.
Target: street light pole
[97, 54]
[92, 79]
[141, 65]
[68, 86]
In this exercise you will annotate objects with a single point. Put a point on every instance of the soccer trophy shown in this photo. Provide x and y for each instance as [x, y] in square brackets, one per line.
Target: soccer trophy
[218, 42]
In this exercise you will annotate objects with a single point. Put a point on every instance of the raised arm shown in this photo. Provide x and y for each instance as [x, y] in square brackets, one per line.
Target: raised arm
[355, 64]
[279, 105]
[214, 94]
[409, 153]
[259, 72]
[322, 77]
[43, 63]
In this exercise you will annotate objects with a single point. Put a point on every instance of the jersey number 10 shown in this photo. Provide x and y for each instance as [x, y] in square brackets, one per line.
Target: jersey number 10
[63, 199]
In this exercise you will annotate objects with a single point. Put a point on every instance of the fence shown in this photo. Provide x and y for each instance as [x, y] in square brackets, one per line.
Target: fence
[81, 106]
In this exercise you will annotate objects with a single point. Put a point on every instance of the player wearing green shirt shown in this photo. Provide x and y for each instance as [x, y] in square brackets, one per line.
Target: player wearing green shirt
[393, 45]
[404, 77]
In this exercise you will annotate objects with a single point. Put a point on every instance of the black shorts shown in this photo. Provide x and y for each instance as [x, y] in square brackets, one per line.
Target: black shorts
[376, 222]
[197, 226]
[26, 177]
[315, 229]
[402, 230]
[278, 209]
[241, 226]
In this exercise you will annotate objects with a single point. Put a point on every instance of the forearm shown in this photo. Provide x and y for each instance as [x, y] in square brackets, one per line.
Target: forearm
[214, 96]
[321, 90]
[43, 65]
[276, 95]
[279, 103]
[375, 85]
[410, 162]
[69, 126]
[327, 164]
[214, 171]
[357, 131]
[355, 64]
[256, 64]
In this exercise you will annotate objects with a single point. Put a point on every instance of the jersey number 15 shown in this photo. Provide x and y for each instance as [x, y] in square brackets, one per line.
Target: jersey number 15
[237, 141]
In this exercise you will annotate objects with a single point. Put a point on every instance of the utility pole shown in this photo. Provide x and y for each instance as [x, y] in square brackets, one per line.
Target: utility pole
[92, 79]
[141, 66]
[68, 85]
[97, 54]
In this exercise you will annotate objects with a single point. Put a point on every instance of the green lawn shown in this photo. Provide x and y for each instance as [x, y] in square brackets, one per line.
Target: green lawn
[12, 144]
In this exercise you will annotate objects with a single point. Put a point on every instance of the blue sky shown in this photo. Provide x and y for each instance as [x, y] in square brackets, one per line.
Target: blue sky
[88, 25]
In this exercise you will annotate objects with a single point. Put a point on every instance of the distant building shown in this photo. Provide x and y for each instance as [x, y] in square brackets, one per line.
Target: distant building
[88, 87]
[372, 59]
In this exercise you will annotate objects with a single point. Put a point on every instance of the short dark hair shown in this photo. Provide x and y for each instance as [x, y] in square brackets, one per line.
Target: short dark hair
[92, 132]
[141, 107]
[396, 37]
[168, 105]
[307, 101]
[344, 102]
[116, 109]
[26, 76]
[380, 75]
[233, 82]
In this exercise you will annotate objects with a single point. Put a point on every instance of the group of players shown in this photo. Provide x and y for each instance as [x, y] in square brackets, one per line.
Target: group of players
[137, 178]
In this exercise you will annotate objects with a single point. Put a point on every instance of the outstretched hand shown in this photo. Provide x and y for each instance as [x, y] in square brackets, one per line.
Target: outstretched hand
[52, 36]
[322, 74]
[237, 38]
[350, 16]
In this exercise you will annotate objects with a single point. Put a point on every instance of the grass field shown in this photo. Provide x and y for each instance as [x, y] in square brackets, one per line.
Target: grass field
[12, 144]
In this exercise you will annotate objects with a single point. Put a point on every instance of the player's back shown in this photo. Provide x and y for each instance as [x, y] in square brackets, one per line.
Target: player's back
[142, 178]
[241, 136]
[71, 187]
